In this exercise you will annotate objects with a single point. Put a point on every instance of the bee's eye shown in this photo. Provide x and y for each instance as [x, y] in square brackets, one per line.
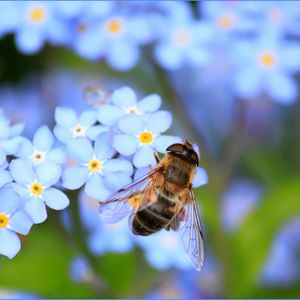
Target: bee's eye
[194, 158]
[176, 148]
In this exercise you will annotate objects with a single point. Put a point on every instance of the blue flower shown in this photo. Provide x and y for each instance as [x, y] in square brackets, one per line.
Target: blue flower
[100, 174]
[282, 265]
[5, 176]
[13, 220]
[10, 140]
[40, 151]
[184, 43]
[267, 65]
[123, 102]
[164, 250]
[103, 237]
[237, 202]
[34, 186]
[69, 126]
[80, 269]
[142, 136]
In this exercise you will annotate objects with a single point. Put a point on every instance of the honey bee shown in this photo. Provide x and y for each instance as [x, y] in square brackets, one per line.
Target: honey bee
[163, 199]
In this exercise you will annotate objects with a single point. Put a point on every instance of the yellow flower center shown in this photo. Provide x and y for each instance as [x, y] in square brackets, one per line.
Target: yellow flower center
[36, 189]
[146, 137]
[135, 201]
[132, 110]
[37, 14]
[94, 165]
[181, 37]
[226, 22]
[114, 27]
[79, 130]
[4, 220]
[267, 59]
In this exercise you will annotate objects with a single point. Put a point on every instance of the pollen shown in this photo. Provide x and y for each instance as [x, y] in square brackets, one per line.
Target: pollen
[267, 59]
[94, 165]
[4, 220]
[132, 110]
[226, 21]
[36, 189]
[181, 37]
[114, 27]
[79, 130]
[135, 201]
[146, 137]
[37, 14]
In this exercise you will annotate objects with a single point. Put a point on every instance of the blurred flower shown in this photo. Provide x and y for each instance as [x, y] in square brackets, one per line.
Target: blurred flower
[123, 102]
[103, 237]
[5, 176]
[40, 151]
[100, 174]
[184, 43]
[80, 269]
[266, 65]
[142, 136]
[282, 265]
[238, 201]
[34, 186]
[13, 220]
[70, 127]
[15, 294]
[164, 250]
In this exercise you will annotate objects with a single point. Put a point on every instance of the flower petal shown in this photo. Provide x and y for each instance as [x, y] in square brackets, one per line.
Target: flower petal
[96, 189]
[125, 144]
[57, 156]
[88, 117]
[20, 222]
[103, 147]
[159, 121]
[80, 149]
[62, 133]
[108, 114]
[18, 146]
[36, 209]
[73, 178]
[131, 124]
[10, 244]
[200, 178]
[124, 97]
[118, 165]
[66, 117]
[22, 171]
[43, 139]
[56, 199]
[162, 142]
[9, 201]
[150, 103]
[93, 131]
[144, 157]
[115, 181]
[5, 177]
[48, 173]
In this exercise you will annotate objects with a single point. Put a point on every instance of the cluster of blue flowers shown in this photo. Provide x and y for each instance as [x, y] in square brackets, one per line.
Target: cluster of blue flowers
[260, 41]
[100, 150]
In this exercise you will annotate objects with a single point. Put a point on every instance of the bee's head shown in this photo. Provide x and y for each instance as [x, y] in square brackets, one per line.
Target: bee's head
[184, 151]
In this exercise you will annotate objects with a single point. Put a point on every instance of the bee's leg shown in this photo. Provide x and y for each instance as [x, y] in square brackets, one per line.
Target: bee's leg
[156, 156]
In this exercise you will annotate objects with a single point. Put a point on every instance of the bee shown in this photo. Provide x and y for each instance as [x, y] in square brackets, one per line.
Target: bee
[163, 199]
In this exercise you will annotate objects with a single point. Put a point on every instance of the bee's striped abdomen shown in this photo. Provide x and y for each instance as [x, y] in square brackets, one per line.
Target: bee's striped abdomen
[155, 217]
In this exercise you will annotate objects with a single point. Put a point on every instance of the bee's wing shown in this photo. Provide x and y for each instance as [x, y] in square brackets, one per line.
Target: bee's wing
[131, 198]
[192, 233]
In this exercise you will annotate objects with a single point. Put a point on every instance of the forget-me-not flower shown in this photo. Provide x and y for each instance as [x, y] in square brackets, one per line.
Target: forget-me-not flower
[35, 187]
[41, 151]
[267, 65]
[5, 176]
[13, 220]
[123, 102]
[69, 126]
[96, 168]
[142, 136]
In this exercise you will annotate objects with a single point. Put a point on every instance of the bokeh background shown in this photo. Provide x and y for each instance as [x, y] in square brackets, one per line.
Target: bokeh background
[229, 73]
